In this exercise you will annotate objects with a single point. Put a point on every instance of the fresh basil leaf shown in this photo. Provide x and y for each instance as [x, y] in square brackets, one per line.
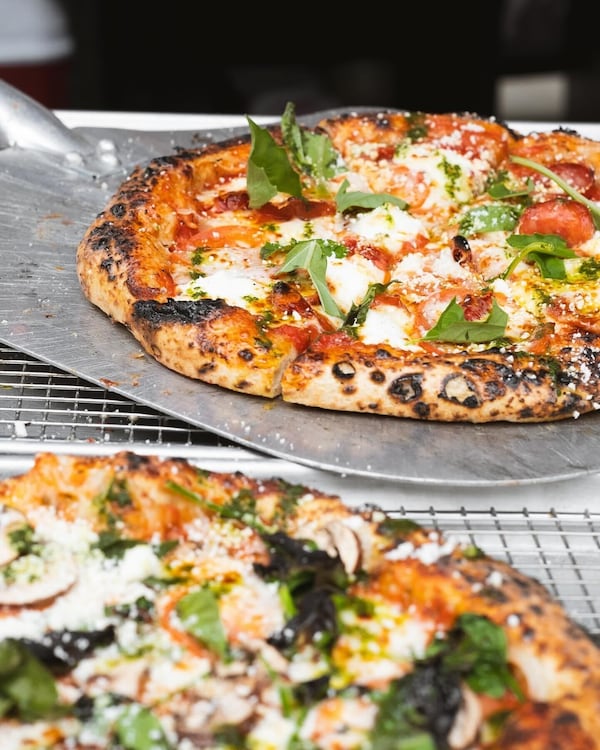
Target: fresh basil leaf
[27, 688]
[137, 728]
[545, 250]
[269, 170]
[199, 615]
[312, 153]
[569, 190]
[453, 327]
[493, 217]
[345, 200]
[312, 255]
[358, 313]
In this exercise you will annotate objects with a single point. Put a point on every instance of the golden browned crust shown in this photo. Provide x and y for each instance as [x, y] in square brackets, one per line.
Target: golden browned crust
[453, 387]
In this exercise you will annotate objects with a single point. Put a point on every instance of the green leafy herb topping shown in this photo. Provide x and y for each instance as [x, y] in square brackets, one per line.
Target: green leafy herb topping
[493, 217]
[312, 153]
[358, 313]
[137, 728]
[269, 170]
[545, 250]
[356, 199]
[27, 688]
[499, 187]
[418, 710]
[311, 256]
[23, 540]
[199, 615]
[452, 326]
[276, 169]
[477, 649]
[417, 127]
[569, 190]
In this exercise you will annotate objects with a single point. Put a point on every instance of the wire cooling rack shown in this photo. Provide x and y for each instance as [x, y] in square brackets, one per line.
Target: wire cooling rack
[45, 408]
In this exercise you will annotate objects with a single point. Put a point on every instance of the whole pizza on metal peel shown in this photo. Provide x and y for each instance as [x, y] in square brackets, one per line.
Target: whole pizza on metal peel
[148, 604]
[427, 266]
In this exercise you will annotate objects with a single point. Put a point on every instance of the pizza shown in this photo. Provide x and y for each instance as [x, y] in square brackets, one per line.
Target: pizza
[426, 266]
[149, 604]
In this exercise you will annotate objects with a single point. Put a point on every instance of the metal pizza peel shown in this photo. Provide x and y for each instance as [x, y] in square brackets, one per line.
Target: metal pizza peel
[53, 182]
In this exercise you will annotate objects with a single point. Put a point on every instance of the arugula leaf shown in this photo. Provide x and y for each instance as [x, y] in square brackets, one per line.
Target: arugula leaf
[269, 170]
[545, 250]
[345, 200]
[453, 327]
[137, 728]
[497, 188]
[199, 614]
[312, 153]
[312, 255]
[569, 190]
[489, 218]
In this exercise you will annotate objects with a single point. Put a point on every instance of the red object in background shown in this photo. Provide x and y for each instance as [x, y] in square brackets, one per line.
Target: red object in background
[36, 49]
[46, 82]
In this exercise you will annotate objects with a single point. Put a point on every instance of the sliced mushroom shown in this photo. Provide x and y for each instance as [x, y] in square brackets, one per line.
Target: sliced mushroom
[466, 722]
[11, 519]
[33, 579]
[338, 538]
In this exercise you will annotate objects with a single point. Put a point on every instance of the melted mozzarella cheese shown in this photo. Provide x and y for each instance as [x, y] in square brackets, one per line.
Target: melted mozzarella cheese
[388, 324]
[348, 278]
[322, 227]
[232, 286]
[451, 177]
[388, 226]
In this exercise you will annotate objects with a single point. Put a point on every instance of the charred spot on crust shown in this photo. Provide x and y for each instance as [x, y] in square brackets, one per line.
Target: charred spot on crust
[157, 165]
[407, 387]
[495, 373]
[422, 410]
[119, 210]
[344, 370]
[177, 311]
[460, 390]
[136, 461]
[109, 235]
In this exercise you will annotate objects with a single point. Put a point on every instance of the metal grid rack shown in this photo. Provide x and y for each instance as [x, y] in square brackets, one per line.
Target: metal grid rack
[45, 408]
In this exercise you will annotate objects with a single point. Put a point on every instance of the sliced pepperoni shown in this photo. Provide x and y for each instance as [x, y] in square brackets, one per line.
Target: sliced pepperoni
[477, 306]
[566, 218]
[579, 176]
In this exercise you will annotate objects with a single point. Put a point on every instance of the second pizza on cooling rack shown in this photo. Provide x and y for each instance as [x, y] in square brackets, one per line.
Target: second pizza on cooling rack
[424, 266]
[150, 604]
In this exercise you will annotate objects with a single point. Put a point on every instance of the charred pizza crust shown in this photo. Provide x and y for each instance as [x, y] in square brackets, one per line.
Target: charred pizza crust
[145, 538]
[273, 338]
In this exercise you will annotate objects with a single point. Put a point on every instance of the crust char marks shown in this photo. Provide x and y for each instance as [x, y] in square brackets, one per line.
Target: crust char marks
[477, 388]
[194, 338]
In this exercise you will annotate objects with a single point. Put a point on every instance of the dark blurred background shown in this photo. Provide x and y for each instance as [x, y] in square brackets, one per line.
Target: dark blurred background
[515, 59]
